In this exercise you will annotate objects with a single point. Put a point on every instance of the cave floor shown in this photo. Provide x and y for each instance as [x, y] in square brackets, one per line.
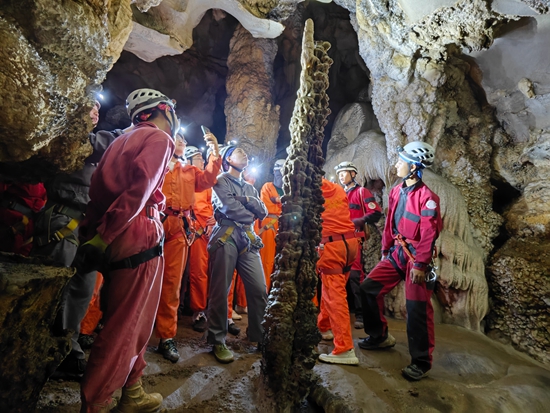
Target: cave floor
[471, 373]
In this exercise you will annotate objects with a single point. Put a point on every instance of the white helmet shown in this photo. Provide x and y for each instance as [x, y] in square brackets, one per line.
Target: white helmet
[278, 164]
[143, 99]
[191, 151]
[418, 153]
[346, 166]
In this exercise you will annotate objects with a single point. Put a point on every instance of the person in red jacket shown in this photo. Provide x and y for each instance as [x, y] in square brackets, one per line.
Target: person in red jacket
[412, 227]
[271, 194]
[337, 252]
[122, 235]
[19, 202]
[363, 209]
[180, 185]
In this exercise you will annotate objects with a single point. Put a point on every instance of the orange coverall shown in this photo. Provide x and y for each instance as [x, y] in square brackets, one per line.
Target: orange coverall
[337, 252]
[180, 185]
[94, 314]
[268, 229]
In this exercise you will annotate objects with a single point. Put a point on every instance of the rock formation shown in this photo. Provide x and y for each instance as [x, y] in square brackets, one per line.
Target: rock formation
[55, 55]
[291, 332]
[252, 118]
[30, 349]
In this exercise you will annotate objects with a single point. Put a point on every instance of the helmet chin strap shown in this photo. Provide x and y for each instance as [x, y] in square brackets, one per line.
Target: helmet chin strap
[417, 172]
[173, 128]
[234, 167]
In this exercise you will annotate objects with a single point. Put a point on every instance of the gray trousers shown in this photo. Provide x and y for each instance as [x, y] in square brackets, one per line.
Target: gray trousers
[222, 262]
[75, 300]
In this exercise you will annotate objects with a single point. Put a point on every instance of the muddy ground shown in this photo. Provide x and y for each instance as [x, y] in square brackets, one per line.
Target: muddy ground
[471, 373]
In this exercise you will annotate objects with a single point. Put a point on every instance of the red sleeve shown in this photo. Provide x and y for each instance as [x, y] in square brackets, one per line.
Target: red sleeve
[387, 236]
[148, 170]
[430, 226]
[207, 178]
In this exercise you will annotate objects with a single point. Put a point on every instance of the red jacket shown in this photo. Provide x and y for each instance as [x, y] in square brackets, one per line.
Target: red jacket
[363, 205]
[417, 219]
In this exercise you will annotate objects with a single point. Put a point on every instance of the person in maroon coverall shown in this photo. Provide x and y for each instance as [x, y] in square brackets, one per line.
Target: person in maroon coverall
[412, 227]
[363, 209]
[124, 239]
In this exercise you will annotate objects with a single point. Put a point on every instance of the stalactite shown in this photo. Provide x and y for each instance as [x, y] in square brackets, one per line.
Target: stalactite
[291, 332]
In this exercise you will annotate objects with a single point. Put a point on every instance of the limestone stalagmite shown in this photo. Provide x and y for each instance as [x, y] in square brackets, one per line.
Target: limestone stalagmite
[291, 317]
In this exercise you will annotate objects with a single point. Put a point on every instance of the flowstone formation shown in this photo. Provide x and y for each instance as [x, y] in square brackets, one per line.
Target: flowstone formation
[54, 55]
[29, 348]
[252, 118]
[291, 317]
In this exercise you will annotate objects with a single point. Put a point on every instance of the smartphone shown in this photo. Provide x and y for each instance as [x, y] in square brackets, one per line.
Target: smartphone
[205, 130]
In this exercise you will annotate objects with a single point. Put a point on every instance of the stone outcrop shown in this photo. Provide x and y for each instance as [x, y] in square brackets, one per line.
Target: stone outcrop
[166, 28]
[252, 118]
[290, 322]
[54, 56]
[30, 349]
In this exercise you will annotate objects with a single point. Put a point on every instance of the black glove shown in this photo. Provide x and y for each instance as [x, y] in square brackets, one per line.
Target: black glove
[359, 223]
[241, 199]
[90, 256]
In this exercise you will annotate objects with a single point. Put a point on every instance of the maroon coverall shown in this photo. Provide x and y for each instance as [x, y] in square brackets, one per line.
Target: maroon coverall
[413, 212]
[124, 209]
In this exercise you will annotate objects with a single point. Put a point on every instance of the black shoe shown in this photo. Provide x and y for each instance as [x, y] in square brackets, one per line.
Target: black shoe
[382, 343]
[200, 323]
[86, 341]
[70, 369]
[358, 322]
[233, 329]
[414, 373]
[168, 350]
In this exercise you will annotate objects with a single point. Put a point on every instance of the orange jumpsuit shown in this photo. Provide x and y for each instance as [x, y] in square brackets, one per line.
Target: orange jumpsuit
[268, 229]
[180, 185]
[198, 256]
[94, 314]
[337, 252]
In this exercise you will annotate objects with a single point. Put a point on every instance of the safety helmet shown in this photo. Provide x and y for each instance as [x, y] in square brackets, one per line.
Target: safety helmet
[278, 164]
[418, 153]
[224, 153]
[191, 151]
[346, 166]
[143, 99]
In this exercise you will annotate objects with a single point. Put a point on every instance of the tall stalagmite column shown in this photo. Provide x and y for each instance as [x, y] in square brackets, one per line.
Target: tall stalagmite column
[291, 317]
[252, 117]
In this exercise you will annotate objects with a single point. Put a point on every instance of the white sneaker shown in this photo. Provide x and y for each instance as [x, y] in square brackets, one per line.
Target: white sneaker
[347, 357]
[236, 316]
[327, 335]
[241, 310]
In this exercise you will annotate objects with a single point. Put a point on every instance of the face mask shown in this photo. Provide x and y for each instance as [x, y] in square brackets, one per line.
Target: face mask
[278, 178]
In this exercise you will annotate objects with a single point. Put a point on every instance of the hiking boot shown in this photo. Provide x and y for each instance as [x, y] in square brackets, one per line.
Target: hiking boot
[383, 343]
[134, 400]
[71, 369]
[236, 316]
[327, 335]
[413, 372]
[347, 357]
[168, 350]
[86, 341]
[223, 354]
[358, 322]
[241, 310]
[233, 329]
[200, 323]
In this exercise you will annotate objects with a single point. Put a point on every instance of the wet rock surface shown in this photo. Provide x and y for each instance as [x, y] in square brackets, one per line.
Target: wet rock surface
[471, 373]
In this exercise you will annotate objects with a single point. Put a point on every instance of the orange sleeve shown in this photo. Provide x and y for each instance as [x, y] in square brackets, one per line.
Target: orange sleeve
[267, 192]
[207, 178]
[203, 206]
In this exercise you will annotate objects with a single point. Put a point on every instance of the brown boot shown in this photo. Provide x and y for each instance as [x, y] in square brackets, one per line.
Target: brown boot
[135, 400]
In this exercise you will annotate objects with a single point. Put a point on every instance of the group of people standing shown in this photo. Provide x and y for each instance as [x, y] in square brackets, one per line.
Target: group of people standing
[151, 205]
